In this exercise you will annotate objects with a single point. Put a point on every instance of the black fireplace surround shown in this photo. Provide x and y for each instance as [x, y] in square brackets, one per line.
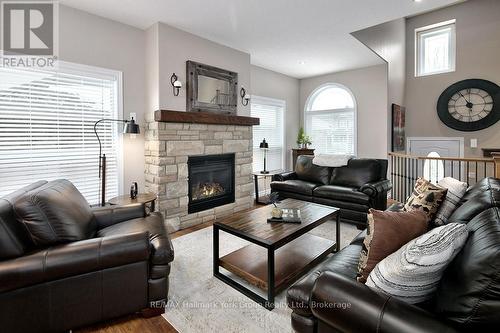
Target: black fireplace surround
[211, 181]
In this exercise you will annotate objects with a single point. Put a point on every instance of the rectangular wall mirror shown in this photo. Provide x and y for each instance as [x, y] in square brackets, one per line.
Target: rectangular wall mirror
[211, 89]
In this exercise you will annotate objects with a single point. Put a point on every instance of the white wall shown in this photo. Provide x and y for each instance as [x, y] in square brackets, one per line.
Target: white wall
[388, 40]
[92, 40]
[271, 84]
[369, 86]
[478, 50]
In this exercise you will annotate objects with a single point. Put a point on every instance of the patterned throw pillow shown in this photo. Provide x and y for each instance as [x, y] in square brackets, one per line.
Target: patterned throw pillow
[456, 190]
[413, 272]
[426, 197]
[386, 233]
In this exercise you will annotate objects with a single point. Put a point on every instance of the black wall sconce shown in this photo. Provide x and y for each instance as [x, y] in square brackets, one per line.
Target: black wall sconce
[245, 98]
[176, 84]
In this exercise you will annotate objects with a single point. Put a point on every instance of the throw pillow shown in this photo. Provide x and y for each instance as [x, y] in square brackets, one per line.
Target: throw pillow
[426, 197]
[386, 233]
[413, 272]
[456, 190]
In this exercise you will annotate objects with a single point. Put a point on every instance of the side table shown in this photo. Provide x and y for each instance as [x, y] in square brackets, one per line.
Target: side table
[256, 176]
[142, 198]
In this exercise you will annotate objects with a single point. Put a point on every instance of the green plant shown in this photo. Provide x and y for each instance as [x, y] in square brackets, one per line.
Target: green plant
[303, 138]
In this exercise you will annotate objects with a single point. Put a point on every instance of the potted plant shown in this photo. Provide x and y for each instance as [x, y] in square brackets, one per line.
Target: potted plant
[303, 140]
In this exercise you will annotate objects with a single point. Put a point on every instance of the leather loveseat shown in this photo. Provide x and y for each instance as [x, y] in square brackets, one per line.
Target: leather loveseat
[468, 297]
[64, 265]
[360, 185]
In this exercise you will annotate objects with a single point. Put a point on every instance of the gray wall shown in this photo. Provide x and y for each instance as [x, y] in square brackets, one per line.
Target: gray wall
[388, 40]
[92, 40]
[478, 50]
[369, 86]
[267, 83]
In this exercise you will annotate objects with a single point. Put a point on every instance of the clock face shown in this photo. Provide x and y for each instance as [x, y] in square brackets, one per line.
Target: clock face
[470, 105]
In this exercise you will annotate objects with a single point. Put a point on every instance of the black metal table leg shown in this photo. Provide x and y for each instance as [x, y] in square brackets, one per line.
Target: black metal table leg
[337, 228]
[256, 182]
[216, 250]
[270, 278]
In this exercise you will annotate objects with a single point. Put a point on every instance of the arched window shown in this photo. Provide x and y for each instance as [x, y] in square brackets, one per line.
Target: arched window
[330, 119]
[433, 169]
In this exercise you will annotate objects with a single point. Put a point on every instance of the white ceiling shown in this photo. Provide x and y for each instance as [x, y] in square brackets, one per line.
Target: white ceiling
[300, 38]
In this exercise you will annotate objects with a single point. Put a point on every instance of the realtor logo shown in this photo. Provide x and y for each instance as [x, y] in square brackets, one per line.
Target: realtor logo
[29, 33]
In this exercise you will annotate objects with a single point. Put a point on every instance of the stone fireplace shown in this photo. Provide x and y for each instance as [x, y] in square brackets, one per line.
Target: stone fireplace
[179, 146]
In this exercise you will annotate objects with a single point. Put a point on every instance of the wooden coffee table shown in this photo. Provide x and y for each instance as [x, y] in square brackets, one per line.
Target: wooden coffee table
[281, 252]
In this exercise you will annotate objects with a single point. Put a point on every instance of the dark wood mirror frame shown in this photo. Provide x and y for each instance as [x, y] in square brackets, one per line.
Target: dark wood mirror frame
[193, 70]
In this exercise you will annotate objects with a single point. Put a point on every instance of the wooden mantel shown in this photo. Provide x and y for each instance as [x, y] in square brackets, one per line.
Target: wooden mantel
[204, 118]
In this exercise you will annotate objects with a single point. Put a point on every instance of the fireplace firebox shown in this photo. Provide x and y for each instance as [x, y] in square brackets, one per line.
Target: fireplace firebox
[211, 181]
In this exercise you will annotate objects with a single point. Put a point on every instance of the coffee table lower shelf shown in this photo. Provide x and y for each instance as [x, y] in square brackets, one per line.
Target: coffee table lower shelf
[291, 261]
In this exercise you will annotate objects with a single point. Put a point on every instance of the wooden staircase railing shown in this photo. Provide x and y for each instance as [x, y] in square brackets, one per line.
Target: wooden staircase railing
[405, 169]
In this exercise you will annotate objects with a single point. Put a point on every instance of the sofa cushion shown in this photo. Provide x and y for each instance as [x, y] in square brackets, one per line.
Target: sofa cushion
[469, 292]
[356, 173]
[294, 185]
[162, 250]
[343, 193]
[55, 213]
[475, 205]
[306, 170]
[412, 273]
[426, 197]
[387, 232]
[343, 263]
[14, 238]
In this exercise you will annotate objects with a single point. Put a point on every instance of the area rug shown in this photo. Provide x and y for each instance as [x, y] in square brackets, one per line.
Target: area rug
[198, 302]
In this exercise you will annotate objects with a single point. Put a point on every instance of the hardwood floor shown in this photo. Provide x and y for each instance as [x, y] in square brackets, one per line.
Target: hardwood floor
[131, 324]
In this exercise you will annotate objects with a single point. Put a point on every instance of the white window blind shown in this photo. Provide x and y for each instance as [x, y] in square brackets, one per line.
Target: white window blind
[330, 120]
[46, 127]
[271, 113]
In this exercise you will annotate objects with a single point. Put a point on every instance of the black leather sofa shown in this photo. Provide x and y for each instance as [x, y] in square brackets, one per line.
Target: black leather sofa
[467, 300]
[64, 265]
[354, 188]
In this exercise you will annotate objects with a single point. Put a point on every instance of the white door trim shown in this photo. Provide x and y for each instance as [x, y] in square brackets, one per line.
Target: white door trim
[422, 138]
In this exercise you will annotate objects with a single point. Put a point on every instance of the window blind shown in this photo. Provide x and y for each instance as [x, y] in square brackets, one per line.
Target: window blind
[331, 132]
[46, 127]
[271, 113]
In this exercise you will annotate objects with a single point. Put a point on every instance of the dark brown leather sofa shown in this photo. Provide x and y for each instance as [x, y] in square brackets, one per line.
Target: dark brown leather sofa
[360, 185]
[468, 298]
[64, 265]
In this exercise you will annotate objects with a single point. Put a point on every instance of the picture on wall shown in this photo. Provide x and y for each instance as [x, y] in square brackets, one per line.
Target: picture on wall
[398, 128]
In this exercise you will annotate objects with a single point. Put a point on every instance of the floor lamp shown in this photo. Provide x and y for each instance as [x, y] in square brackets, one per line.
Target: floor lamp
[130, 128]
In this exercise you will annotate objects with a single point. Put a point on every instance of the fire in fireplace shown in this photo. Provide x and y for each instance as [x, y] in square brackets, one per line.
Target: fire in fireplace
[211, 181]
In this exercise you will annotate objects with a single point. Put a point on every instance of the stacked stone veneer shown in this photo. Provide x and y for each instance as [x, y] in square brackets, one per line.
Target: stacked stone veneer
[168, 146]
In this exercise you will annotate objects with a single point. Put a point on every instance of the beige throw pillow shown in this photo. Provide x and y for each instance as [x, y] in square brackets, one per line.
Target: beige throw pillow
[426, 197]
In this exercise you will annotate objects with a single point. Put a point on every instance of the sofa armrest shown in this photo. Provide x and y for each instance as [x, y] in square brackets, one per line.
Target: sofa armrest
[106, 216]
[374, 189]
[73, 259]
[350, 306]
[281, 177]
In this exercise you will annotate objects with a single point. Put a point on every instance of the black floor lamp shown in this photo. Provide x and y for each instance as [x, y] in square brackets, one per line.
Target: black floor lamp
[265, 147]
[130, 128]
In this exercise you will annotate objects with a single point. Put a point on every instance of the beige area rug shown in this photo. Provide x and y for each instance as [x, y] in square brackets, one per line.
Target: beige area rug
[198, 302]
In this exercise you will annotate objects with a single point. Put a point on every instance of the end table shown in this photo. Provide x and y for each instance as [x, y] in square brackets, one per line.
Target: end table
[142, 198]
[256, 176]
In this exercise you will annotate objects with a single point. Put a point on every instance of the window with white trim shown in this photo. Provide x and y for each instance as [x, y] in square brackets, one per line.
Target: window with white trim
[435, 49]
[46, 127]
[330, 120]
[271, 113]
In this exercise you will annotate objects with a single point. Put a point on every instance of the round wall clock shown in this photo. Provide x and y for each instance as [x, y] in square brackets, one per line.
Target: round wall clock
[470, 105]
